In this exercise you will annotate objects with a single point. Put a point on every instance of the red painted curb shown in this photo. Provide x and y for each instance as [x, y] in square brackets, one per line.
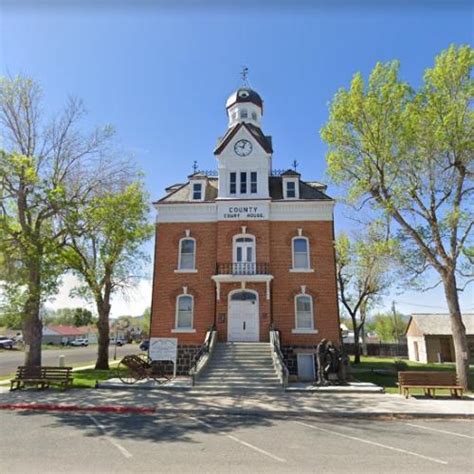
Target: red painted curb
[52, 407]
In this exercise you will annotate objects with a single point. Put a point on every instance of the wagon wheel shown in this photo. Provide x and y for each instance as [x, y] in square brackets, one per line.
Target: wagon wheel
[126, 375]
[159, 375]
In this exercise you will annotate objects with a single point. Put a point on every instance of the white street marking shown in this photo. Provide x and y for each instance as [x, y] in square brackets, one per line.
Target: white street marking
[440, 431]
[373, 443]
[112, 441]
[237, 440]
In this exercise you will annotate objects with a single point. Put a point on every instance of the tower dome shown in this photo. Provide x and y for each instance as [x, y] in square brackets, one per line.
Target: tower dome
[244, 105]
[244, 95]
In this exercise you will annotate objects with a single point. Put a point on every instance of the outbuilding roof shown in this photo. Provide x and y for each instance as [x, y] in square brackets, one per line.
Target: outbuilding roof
[439, 324]
[63, 330]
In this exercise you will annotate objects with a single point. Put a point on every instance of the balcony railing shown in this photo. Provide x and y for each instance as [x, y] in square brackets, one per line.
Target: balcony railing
[243, 268]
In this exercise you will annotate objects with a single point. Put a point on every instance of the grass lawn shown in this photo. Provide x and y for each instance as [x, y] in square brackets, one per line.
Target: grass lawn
[83, 378]
[382, 371]
[87, 378]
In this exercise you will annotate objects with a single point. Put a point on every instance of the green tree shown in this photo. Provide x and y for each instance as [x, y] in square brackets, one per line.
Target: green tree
[362, 270]
[390, 326]
[83, 317]
[409, 154]
[104, 249]
[42, 173]
[146, 321]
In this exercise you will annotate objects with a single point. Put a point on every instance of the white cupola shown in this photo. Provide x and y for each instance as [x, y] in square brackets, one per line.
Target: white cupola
[244, 105]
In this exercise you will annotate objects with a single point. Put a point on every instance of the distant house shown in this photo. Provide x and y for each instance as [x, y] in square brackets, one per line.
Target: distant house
[430, 339]
[61, 334]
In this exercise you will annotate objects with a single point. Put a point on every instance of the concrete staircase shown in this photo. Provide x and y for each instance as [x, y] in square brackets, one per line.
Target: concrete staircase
[237, 366]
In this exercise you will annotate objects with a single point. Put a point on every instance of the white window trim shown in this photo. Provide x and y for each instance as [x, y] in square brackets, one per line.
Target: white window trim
[298, 330]
[297, 188]
[234, 246]
[190, 328]
[248, 183]
[307, 269]
[186, 270]
[192, 191]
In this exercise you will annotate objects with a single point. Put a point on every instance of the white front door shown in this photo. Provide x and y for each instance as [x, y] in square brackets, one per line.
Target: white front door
[243, 318]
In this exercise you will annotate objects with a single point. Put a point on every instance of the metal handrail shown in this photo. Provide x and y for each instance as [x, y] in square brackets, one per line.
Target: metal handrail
[202, 352]
[277, 355]
[243, 268]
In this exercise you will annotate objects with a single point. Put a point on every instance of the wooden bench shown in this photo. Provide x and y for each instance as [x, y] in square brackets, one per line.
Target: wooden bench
[42, 377]
[429, 381]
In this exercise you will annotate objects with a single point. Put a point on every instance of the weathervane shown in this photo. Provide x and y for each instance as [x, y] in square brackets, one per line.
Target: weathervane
[244, 75]
[195, 166]
[295, 164]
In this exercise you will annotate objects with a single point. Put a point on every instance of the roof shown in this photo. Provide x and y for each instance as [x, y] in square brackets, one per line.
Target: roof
[66, 330]
[307, 191]
[439, 324]
[291, 173]
[264, 141]
[244, 94]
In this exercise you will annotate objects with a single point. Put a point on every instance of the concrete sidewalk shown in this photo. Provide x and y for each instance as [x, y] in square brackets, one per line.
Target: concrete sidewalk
[271, 403]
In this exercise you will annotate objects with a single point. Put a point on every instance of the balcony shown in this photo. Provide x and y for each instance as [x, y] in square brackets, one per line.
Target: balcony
[242, 269]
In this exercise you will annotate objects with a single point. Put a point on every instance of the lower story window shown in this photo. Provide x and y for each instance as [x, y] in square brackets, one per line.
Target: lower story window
[304, 312]
[184, 312]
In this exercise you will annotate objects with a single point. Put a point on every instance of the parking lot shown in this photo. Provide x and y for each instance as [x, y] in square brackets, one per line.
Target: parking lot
[159, 443]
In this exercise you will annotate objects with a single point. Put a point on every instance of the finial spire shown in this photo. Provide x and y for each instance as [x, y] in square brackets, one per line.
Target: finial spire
[244, 75]
[195, 166]
[295, 164]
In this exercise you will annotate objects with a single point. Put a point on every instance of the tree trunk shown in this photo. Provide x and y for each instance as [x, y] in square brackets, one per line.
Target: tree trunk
[32, 324]
[461, 348]
[103, 309]
[356, 345]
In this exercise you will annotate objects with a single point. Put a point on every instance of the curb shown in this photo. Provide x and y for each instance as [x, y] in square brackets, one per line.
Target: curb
[121, 409]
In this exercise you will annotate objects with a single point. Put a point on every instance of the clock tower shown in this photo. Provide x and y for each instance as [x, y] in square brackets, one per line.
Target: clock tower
[244, 153]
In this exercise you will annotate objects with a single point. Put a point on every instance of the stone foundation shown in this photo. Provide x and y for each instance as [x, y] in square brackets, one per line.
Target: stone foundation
[186, 354]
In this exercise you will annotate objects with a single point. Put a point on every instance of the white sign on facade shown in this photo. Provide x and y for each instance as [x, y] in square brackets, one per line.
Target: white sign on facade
[163, 348]
[242, 211]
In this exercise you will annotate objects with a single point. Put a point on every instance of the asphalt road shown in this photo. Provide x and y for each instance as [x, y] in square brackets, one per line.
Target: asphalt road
[11, 359]
[56, 442]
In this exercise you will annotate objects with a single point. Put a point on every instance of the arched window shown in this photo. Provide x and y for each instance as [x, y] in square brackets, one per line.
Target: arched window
[304, 319]
[187, 254]
[184, 312]
[300, 253]
[244, 254]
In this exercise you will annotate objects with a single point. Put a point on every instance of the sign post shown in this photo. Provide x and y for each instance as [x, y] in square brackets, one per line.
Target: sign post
[164, 348]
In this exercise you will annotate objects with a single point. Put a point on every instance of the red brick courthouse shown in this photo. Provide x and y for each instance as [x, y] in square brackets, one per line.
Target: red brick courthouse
[246, 250]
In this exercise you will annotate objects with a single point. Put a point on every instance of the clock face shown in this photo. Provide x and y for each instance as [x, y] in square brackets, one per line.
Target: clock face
[243, 148]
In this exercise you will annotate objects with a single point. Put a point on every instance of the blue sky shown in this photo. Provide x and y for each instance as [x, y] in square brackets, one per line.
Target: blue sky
[162, 75]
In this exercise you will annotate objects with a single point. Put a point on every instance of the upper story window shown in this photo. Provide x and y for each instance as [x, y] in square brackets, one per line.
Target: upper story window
[253, 182]
[254, 115]
[184, 312]
[197, 191]
[243, 182]
[233, 183]
[300, 253]
[304, 319]
[290, 189]
[244, 113]
[187, 254]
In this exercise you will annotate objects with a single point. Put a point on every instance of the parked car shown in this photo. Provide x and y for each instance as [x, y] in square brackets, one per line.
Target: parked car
[118, 342]
[144, 345]
[80, 342]
[6, 342]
